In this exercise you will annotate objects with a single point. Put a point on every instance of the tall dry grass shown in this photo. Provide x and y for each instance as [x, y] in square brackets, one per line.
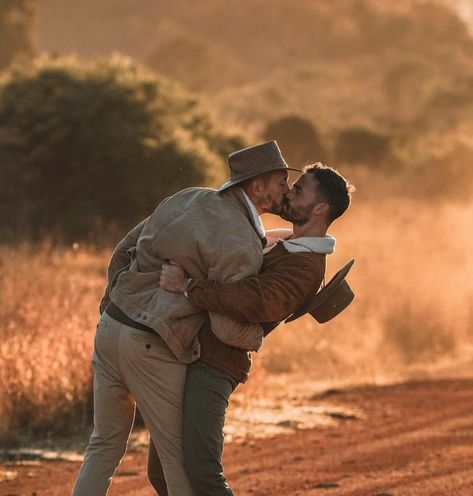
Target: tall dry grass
[48, 313]
[412, 280]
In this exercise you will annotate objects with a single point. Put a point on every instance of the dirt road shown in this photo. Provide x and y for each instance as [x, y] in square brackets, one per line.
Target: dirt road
[413, 439]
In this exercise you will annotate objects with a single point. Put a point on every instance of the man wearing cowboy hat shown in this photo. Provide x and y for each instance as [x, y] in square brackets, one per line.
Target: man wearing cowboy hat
[292, 272]
[146, 336]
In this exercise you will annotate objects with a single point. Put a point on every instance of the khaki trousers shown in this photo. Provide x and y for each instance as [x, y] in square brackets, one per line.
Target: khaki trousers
[133, 365]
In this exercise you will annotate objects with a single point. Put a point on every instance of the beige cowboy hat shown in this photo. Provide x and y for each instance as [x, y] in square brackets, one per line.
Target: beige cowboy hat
[253, 161]
[333, 298]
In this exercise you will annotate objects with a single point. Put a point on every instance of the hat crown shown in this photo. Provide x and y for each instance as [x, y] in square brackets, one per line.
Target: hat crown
[253, 161]
[265, 156]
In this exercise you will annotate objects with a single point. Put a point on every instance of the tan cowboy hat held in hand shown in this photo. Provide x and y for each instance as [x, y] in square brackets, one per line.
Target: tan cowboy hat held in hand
[333, 298]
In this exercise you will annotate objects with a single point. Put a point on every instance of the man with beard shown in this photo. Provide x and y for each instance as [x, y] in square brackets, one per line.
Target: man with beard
[293, 270]
[146, 336]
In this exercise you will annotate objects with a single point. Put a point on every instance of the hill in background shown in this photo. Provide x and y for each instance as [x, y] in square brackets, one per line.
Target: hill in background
[275, 49]
[401, 69]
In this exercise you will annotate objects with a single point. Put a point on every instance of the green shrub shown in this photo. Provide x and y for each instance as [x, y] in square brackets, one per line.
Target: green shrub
[85, 146]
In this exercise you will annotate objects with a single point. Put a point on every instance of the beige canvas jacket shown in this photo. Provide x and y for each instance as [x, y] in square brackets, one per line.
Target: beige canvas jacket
[212, 235]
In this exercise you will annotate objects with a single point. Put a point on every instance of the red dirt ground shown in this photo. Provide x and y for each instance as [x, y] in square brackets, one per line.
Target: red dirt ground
[416, 439]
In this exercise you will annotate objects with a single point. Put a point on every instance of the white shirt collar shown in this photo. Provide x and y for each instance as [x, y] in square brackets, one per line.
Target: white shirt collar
[254, 214]
[325, 245]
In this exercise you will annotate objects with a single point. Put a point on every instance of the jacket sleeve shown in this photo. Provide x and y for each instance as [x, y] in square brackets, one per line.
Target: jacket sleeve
[120, 261]
[267, 297]
[232, 265]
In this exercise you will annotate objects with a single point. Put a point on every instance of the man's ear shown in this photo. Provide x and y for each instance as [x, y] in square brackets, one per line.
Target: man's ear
[257, 187]
[321, 209]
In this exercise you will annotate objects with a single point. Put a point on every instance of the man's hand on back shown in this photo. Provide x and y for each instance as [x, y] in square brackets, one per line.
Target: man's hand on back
[173, 278]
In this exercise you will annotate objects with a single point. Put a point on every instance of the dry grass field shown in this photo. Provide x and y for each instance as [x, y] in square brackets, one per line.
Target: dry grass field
[412, 280]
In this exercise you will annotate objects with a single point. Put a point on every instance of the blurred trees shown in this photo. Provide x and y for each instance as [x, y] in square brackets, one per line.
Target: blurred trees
[358, 145]
[16, 30]
[446, 177]
[196, 61]
[298, 139]
[402, 69]
[209, 45]
[87, 146]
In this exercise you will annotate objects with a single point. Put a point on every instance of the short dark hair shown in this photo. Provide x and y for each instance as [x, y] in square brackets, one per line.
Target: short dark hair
[335, 189]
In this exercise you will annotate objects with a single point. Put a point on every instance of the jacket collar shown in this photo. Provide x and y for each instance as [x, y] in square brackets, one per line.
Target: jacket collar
[255, 216]
[238, 198]
[324, 245]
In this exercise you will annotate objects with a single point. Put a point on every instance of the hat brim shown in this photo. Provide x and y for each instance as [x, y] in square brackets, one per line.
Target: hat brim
[235, 181]
[334, 304]
[324, 294]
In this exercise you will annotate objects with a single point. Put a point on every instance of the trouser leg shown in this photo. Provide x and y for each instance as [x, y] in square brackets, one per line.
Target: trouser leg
[113, 416]
[155, 471]
[206, 398]
[156, 380]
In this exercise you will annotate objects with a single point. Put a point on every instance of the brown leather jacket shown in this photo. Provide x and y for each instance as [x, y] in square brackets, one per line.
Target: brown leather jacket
[285, 282]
